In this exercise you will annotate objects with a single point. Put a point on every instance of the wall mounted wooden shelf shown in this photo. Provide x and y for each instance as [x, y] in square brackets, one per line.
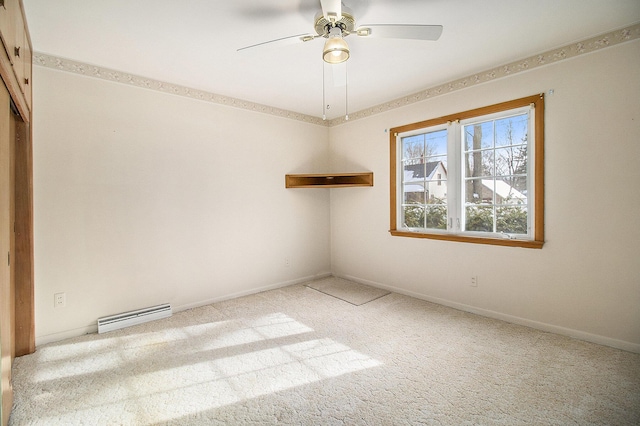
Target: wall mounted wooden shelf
[329, 180]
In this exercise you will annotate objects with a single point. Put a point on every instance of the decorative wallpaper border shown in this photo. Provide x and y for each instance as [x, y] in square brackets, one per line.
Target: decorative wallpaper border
[75, 67]
[569, 51]
[560, 54]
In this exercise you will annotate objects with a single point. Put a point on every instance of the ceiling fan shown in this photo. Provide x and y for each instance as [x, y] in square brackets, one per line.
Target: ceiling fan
[336, 22]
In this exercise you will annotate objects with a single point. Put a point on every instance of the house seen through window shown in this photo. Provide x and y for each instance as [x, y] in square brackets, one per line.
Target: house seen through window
[475, 176]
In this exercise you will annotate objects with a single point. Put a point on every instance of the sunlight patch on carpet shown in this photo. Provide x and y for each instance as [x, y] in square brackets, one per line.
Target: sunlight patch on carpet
[217, 367]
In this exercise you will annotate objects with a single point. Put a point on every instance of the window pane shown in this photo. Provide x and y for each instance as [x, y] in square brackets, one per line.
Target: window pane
[424, 180]
[470, 161]
[436, 143]
[507, 190]
[414, 185]
[479, 191]
[511, 161]
[436, 175]
[511, 220]
[512, 130]
[479, 218]
[495, 176]
[415, 194]
[437, 216]
[478, 136]
[413, 216]
[413, 148]
[519, 183]
[479, 163]
[439, 201]
[413, 172]
[438, 159]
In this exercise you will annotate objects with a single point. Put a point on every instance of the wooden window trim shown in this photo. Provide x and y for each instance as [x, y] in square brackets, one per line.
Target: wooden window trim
[538, 237]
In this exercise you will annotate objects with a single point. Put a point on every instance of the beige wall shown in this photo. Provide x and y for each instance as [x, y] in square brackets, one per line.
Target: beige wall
[585, 282]
[144, 198]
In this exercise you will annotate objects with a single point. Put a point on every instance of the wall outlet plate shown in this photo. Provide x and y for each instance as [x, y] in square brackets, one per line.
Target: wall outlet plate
[60, 300]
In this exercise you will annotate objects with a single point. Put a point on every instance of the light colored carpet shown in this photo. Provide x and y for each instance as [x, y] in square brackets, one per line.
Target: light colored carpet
[297, 356]
[349, 291]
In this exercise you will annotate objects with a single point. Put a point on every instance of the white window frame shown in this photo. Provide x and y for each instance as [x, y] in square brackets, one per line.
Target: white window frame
[534, 105]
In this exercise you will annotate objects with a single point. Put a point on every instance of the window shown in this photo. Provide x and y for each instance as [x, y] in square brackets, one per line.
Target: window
[476, 176]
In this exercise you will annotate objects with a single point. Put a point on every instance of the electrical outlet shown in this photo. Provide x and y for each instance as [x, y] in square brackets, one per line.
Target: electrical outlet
[60, 300]
[474, 281]
[287, 262]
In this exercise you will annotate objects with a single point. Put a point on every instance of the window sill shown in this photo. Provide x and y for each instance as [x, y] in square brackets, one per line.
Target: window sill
[474, 240]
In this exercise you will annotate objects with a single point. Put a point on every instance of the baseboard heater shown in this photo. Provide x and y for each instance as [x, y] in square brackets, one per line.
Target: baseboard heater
[127, 319]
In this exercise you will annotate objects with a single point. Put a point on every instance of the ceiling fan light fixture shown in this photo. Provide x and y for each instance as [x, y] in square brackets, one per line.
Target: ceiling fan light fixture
[335, 49]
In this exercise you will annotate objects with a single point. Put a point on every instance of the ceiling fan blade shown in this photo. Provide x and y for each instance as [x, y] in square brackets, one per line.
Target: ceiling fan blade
[411, 32]
[282, 41]
[331, 9]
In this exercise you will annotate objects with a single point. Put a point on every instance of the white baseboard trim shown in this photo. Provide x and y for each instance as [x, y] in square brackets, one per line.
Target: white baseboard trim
[551, 328]
[68, 334]
[64, 335]
[252, 291]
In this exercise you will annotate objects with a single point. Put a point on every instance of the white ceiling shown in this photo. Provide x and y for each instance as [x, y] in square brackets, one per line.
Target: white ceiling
[194, 43]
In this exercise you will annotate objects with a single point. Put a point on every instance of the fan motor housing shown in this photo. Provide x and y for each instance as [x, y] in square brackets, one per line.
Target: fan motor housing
[347, 23]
